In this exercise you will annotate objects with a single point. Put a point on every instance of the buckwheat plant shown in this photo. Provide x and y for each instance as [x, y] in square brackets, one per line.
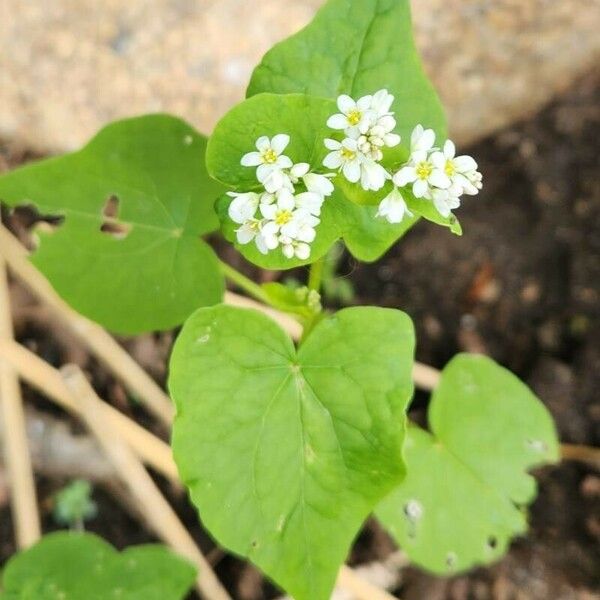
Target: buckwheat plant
[287, 447]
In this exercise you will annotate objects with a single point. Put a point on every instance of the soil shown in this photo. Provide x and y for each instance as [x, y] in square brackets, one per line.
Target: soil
[522, 285]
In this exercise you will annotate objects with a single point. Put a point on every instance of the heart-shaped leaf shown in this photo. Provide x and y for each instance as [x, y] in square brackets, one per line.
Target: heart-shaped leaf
[83, 566]
[355, 47]
[135, 202]
[462, 500]
[304, 119]
[286, 451]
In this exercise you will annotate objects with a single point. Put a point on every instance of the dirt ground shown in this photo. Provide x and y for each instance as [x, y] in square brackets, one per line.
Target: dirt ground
[522, 285]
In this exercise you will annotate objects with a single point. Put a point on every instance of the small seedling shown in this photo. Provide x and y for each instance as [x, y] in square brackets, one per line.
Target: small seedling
[73, 505]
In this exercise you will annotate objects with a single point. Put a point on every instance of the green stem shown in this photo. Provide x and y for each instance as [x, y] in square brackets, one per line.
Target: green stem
[315, 275]
[239, 279]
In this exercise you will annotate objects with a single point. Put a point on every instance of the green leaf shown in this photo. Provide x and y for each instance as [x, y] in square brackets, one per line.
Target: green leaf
[83, 566]
[355, 47]
[286, 451]
[304, 118]
[158, 271]
[467, 484]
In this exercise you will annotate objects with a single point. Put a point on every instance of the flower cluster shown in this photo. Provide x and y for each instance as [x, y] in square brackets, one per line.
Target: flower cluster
[285, 213]
[368, 125]
[280, 214]
[438, 174]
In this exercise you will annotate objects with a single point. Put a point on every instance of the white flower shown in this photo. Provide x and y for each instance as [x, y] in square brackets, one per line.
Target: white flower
[462, 170]
[274, 180]
[268, 239]
[345, 157]
[301, 227]
[381, 102]
[252, 230]
[393, 207]
[314, 182]
[310, 202]
[284, 217]
[422, 173]
[281, 210]
[243, 206]
[420, 169]
[446, 200]
[270, 157]
[368, 124]
[372, 175]
[421, 139]
[353, 116]
[476, 180]
[291, 248]
[319, 184]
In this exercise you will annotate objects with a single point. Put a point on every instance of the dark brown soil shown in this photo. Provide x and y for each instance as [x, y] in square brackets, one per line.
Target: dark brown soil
[522, 285]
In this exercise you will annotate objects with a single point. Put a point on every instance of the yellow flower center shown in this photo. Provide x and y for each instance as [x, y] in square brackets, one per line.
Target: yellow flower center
[347, 154]
[354, 117]
[283, 217]
[424, 170]
[269, 156]
[449, 169]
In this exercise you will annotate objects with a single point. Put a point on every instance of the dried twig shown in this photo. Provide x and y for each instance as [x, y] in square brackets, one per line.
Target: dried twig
[159, 513]
[584, 454]
[100, 343]
[16, 449]
[48, 380]
[359, 587]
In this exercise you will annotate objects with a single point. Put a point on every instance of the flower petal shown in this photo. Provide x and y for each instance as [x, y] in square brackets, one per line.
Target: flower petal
[245, 234]
[280, 142]
[288, 250]
[345, 103]
[364, 103]
[264, 171]
[449, 149]
[310, 202]
[319, 184]
[299, 170]
[332, 144]
[438, 159]
[285, 200]
[275, 181]
[263, 143]
[303, 251]
[260, 244]
[268, 211]
[251, 159]
[416, 135]
[337, 122]
[284, 162]
[420, 188]
[333, 160]
[439, 179]
[404, 176]
[391, 140]
[427, 140]
[243, 207]
[352, 171]
[465, 163]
